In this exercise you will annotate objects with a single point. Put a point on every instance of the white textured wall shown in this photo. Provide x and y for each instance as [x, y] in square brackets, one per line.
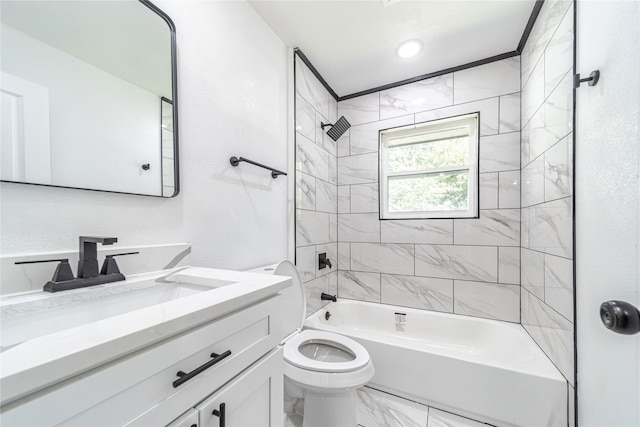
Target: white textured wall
[607, 209]
[233, 101]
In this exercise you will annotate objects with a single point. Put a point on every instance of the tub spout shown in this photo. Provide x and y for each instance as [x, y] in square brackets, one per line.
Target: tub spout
[327, 297]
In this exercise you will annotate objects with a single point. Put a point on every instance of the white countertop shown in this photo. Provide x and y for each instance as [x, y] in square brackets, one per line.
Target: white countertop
[48, 359]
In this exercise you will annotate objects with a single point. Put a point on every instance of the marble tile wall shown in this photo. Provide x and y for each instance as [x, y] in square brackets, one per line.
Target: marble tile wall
[547, 193]
[464, 266]
[316, 187]
[378, 409]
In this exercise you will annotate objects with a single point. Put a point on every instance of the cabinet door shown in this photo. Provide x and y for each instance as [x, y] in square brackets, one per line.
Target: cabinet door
[254, 398]
[190, 419]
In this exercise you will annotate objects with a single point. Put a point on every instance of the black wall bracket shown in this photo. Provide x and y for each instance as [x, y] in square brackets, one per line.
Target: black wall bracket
[592, 80]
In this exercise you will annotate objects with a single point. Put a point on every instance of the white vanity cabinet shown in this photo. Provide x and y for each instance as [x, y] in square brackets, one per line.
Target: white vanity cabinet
[188, 419]
[253, 399]
[140, 389]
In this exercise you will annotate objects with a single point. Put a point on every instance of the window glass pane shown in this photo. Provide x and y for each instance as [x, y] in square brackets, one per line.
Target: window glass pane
[428, 155]
[447, 191]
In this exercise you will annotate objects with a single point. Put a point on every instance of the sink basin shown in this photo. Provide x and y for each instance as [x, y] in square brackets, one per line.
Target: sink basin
[27, 320]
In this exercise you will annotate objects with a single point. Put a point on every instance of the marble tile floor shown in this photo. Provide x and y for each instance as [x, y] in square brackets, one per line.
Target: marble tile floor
[379, 409]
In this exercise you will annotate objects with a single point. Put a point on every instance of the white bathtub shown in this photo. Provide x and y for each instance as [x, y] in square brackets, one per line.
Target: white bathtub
[486, 370]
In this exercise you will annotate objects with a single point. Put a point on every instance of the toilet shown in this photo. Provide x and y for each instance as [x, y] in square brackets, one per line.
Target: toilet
[322, 369]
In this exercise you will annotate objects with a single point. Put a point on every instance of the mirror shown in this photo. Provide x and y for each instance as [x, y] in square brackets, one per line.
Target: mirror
[88, 96]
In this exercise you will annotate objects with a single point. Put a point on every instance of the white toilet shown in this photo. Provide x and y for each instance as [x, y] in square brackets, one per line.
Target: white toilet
[322, 369]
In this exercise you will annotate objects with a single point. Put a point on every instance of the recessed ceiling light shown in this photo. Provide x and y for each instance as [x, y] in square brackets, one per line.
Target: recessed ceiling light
[409, 48]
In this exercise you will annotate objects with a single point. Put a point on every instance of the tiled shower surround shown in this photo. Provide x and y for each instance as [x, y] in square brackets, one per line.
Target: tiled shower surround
[465, 266]
[547, 191]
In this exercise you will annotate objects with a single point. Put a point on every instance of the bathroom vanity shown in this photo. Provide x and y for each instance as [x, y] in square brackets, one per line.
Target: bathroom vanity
[191, 346]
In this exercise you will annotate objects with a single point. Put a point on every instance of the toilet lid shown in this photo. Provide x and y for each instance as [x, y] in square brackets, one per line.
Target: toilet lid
[294, 301]
[293, 355]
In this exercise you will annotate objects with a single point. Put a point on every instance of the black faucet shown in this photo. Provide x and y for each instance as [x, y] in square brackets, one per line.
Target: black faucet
[88, 273]
[88, 262]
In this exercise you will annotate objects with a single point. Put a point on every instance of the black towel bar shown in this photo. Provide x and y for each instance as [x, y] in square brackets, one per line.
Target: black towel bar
[235, 161]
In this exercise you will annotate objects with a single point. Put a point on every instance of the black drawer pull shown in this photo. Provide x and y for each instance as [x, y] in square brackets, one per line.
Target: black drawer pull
[184, 377]
[220, 413]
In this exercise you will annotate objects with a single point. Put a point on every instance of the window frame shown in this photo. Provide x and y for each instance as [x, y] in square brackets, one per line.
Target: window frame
[473, 168]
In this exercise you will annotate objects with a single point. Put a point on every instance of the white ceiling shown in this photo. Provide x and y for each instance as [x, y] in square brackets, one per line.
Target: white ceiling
[352, 43]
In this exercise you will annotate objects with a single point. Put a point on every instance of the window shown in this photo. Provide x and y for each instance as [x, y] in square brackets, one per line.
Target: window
[430, 170]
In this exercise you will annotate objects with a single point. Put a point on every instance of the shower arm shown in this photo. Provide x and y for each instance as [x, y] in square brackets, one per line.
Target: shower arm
[323, 125]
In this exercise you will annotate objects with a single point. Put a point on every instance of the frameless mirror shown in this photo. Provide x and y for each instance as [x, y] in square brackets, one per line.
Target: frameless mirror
[88, 96]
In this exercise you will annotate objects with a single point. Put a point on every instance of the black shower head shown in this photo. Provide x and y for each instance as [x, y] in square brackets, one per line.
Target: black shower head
[337, 129]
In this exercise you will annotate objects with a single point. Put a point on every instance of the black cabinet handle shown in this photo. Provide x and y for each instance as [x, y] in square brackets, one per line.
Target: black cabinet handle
[221, 414]
[184, 377]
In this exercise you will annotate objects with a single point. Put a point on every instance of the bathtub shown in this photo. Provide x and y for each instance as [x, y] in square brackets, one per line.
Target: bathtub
[487, 370]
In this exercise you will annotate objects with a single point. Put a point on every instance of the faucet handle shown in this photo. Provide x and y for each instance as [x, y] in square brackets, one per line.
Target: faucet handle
[110, 266]
[323, 261]
[63, 270]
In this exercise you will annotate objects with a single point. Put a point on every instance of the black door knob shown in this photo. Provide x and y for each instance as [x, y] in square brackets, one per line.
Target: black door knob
[620, 317]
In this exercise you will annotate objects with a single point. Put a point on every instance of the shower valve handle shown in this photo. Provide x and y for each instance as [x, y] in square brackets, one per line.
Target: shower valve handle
[323, 261]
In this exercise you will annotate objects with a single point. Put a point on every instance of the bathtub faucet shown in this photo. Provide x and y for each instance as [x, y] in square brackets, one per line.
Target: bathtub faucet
[327, 297]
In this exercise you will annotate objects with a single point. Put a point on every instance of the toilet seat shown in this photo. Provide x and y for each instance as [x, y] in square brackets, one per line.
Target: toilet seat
[294, 312]
[293, 355]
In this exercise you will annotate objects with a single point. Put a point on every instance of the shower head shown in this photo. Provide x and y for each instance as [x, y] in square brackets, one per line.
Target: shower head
[337, 129]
